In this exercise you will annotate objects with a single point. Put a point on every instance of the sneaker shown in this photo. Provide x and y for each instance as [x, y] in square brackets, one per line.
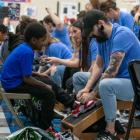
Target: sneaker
[53, 133]
[66, 136]
[106, 136]
[82, 108]
[122, 117]
[119, 128]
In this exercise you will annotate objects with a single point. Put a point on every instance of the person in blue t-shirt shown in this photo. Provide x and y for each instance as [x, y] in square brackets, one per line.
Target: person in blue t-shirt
[117, 16]
[57, 49]
[57, 28]
[17, 75]
[82, 57]
[80, 78]
[136, 14]
[117, 46]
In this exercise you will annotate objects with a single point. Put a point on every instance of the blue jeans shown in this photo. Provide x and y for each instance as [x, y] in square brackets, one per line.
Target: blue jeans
[58, 75]
[112, 89]
[80, 80]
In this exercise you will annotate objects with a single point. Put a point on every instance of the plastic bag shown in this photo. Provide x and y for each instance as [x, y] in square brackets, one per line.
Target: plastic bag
[30, 133]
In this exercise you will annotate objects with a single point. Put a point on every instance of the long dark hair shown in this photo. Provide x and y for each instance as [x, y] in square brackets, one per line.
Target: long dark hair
[84, 46]
[84, 53]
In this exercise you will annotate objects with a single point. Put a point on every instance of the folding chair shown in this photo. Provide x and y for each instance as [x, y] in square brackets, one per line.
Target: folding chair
[7, 98]
[134, 71]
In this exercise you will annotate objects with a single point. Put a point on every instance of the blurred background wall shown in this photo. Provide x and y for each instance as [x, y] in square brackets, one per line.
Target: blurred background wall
[70, 8]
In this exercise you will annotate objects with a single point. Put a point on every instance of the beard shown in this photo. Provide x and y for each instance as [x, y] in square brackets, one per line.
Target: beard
[102, 37]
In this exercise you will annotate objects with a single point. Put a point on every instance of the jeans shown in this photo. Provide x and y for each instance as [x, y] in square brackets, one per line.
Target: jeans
[58, 75]
[80, 80]
[110, 90]
[67, 78]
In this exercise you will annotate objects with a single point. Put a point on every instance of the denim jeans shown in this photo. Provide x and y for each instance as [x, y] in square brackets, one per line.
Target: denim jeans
[112, 89]
[57, 77]
[80, 80]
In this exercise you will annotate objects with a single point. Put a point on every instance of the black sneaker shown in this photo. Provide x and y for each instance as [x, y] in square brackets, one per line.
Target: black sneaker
[106, 136]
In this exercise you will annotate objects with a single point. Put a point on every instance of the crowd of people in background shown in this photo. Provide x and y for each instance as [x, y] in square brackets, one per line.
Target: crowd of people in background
[54, 61]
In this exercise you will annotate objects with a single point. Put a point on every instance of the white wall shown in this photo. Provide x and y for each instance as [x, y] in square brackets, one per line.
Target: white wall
[41, 4]
[123, 4]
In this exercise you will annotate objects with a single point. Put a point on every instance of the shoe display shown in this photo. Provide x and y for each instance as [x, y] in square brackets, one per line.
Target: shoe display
[66, 135]
[106, 136]
[82, 108]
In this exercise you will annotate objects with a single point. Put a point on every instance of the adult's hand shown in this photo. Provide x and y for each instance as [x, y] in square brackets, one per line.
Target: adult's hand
[53, 60]
[81, 92]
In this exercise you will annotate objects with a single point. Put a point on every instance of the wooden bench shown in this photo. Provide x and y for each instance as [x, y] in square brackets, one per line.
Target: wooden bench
[78, 125]
[7, 98]
[23, 96]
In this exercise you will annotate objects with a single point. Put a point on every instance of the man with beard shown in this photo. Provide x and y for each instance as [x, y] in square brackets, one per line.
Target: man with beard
[117, 46]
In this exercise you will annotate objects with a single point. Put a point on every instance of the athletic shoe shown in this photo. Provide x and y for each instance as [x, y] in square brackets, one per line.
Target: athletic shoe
[106, 136]
[82, 108]
[53, 133]
[67, 135]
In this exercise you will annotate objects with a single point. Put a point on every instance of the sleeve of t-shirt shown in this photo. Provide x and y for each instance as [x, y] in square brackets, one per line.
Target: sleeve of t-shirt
[61, 32]
[94, 50]
[26, 64]
[122, 42]
[129, 21]
[66, 54]
[99, 48]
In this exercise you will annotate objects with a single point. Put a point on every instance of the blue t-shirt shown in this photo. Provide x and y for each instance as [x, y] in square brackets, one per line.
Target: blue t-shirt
[92, 52]
[136, 30]
[59, 50]
[124, 40]
[63, 36]
[125, 19]
[17, 65]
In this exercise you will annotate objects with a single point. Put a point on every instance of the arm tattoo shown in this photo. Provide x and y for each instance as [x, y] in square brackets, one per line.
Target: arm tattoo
[112, 70]
[115, 62]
